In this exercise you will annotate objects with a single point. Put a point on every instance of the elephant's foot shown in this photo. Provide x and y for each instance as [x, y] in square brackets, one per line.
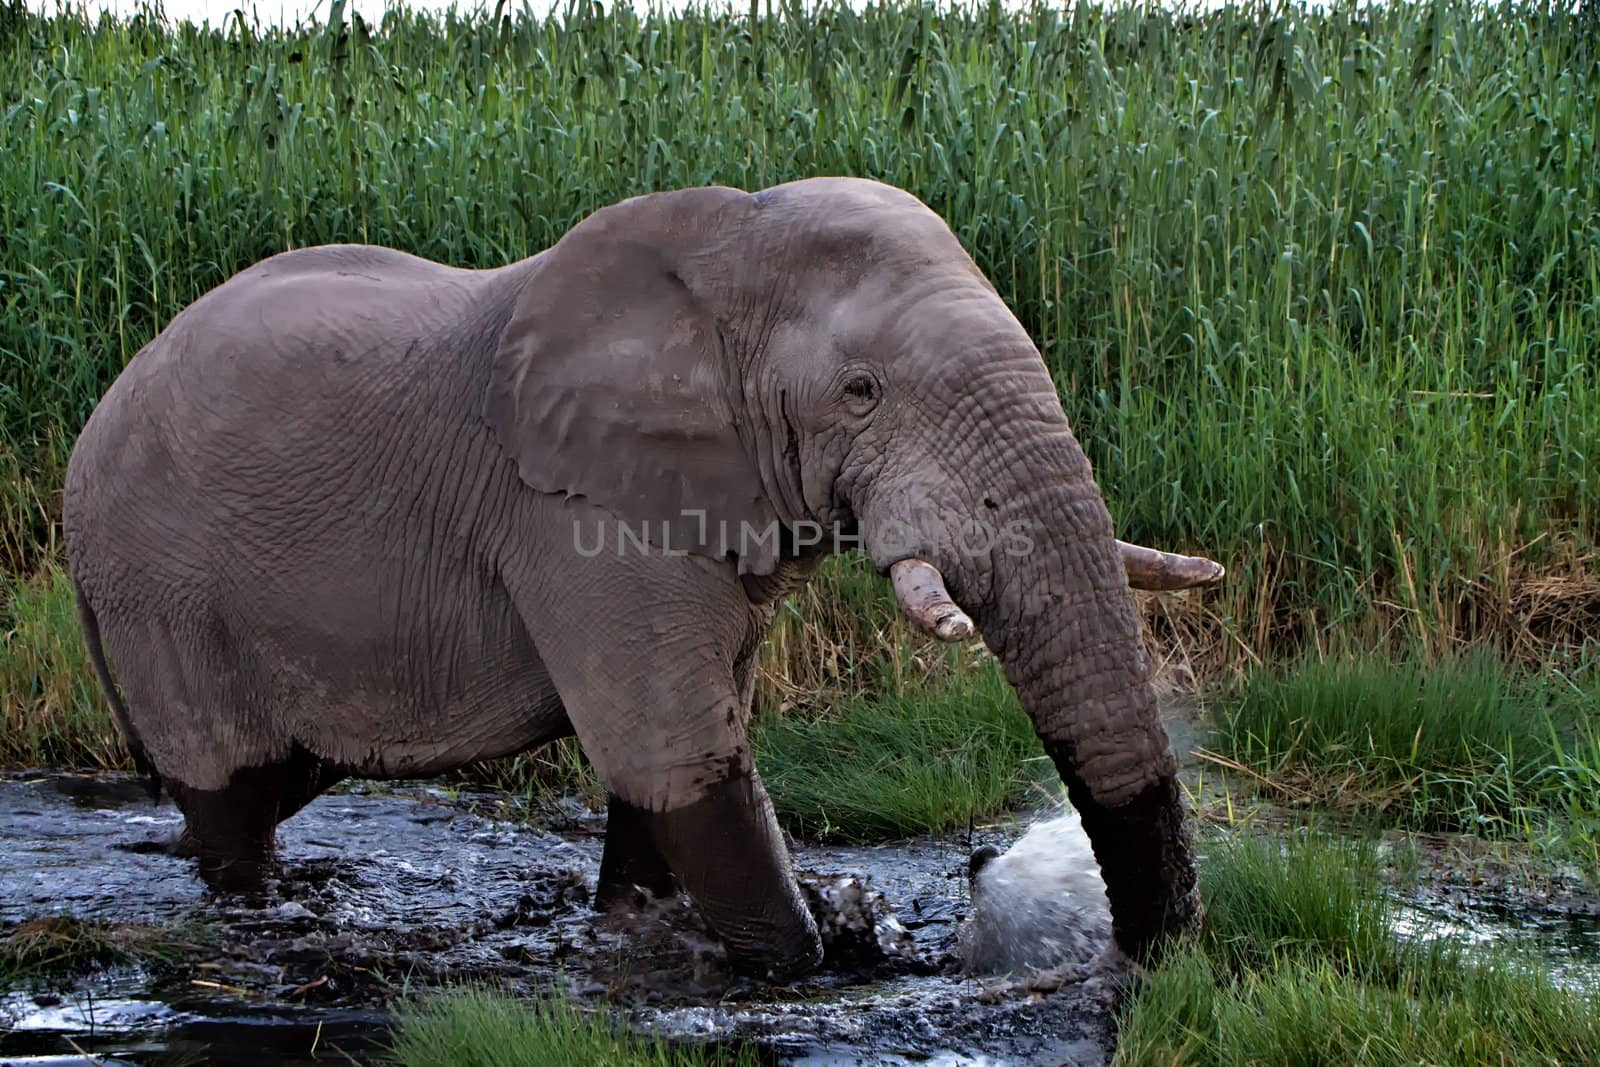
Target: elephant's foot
[232, 830]
[729, 854]
[631, 860]
[227, 872]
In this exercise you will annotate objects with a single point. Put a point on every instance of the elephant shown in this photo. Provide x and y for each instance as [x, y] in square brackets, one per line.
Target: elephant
[351, 513]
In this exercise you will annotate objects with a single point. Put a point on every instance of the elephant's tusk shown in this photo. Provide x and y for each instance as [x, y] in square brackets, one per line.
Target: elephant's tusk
[919, 587]
[1164, 571]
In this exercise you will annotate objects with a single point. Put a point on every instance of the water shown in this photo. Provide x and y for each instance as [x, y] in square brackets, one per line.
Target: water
[411, 887]
[1554, 920]
[387, 889]
[1039, 906]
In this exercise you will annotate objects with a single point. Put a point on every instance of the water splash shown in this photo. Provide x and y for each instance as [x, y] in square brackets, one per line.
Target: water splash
[857, 923]
[1041, 906]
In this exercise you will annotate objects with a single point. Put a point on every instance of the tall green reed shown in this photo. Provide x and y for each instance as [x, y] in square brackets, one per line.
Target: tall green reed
[1320, 288]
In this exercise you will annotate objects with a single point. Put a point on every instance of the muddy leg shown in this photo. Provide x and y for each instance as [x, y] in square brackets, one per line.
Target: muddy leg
[631, 857]
[646, 676]
[303, 778]
[232, 829]
[730, 855]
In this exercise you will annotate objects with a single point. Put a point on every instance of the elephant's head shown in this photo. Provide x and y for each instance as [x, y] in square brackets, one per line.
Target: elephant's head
[824, 356]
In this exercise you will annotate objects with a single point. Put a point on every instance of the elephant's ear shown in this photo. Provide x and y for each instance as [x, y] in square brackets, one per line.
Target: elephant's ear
[611, 382]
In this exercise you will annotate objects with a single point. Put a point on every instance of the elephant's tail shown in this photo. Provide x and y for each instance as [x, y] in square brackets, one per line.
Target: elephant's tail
[119, 710]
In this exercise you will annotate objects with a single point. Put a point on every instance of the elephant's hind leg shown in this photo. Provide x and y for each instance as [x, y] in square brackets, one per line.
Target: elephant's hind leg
[631, 858]
[303, 777]
[232, 830]
[185, 686]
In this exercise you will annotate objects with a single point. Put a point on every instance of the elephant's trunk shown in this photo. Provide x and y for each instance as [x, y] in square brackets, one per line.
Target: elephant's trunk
[1049, 592]
[1063, 624]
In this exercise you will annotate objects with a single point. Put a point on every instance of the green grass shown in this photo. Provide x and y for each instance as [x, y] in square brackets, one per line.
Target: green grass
[874, 768]
[1296, 965]
[1320, 288]
[1314, 900]
[1465, 743]
[480, 1028]
[544, 775]
[51, 710]
[903, 763]
[46, 950]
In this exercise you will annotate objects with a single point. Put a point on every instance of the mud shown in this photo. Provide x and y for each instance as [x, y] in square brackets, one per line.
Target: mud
[385, 890]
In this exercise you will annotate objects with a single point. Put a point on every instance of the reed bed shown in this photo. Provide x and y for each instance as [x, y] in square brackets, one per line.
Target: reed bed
[1320, 286]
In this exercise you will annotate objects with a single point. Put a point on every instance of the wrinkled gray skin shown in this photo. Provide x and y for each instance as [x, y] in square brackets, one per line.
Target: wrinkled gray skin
[338, 519]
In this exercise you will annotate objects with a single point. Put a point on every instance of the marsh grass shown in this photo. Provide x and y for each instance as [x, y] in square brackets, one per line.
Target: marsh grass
[57, 948]
[1297, 964]
[905, 762]
[1463, 743]
[876, 767]
[482, 1028]
[545, 776]
[1312, 900]
[1192, 1014]
[52, 713]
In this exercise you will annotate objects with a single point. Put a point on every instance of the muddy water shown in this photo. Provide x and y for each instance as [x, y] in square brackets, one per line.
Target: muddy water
[386, 889]
[389, 888]
[1552, 916]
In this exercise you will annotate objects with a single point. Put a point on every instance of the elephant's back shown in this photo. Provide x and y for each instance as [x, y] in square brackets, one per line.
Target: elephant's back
[302, 404]
[311, 329]
[304, 320]
[248, 385]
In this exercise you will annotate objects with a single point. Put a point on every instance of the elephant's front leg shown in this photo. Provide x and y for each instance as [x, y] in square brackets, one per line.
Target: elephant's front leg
[631, 857]
[728, 851]
[643, 651]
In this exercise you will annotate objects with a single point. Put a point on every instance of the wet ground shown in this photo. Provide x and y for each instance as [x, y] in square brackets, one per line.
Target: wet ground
[392, 888]
[1469, 891]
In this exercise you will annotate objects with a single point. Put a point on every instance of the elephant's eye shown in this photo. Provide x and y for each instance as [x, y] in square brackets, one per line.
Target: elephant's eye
[861, 387]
